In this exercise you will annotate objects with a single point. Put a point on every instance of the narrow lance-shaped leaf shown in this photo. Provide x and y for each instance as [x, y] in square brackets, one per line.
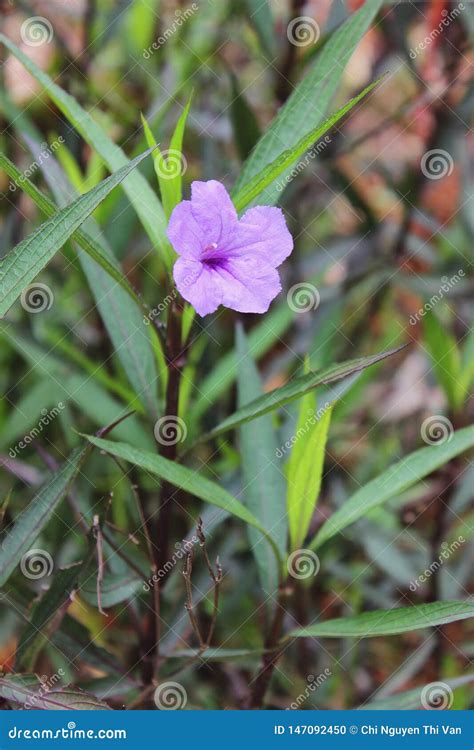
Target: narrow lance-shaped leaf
[296, 388]
[122, 318]
[27, 690]
[169, 166]
[28, 258]
[36, 515]
[311, 98]
[305, 467]
[446, 358]
[139, 192]
[398, 478]
[47, 207]
[185, 479]
[388, 622]
[69, 384]
[268, 175]
[413, 699]
[264, 484]
[46, 615]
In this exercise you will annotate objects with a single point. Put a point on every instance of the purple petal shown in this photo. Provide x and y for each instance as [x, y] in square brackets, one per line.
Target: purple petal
[262, 231]
[184, 233]
[248, 284]
[196, 283]
[213, 210]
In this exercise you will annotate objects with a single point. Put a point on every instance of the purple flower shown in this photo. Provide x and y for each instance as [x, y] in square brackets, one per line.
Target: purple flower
[224, 260]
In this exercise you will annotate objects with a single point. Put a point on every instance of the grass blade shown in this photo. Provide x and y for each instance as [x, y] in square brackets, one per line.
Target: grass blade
[398, 478]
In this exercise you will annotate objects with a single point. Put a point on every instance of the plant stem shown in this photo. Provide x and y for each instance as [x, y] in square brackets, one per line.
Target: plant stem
[272, 652]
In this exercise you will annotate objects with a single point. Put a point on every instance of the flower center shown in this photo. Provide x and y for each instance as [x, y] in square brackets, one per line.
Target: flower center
[211, 257]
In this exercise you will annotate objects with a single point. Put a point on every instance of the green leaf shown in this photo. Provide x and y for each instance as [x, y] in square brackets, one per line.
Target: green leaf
[79, 388]
[296, 388]
[257, 184]
[28, 691]
[87, 243]
[114, 589]
[218, 654]
[305, 467]
[308, 103]
[23, 264]
[446, 358]
[37, 514]
[396, 479]
[121, 316]
[244, 123]
[388, 622]
[264, 484]
[169, 164]
[223, 374]
[185, 479]
[46, 615]
[139, 192]
[260, 16]
[412, 699]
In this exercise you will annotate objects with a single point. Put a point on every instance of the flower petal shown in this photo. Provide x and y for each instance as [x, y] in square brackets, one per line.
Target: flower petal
[184, 233]
[213, 210]
[247, 284]
[262, 231]
[197, 284]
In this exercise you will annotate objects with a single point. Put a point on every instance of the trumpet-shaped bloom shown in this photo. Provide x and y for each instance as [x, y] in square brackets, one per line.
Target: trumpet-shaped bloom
[225, 260]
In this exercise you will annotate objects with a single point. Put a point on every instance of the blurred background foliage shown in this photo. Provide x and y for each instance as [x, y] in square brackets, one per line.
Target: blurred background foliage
[377, 237]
